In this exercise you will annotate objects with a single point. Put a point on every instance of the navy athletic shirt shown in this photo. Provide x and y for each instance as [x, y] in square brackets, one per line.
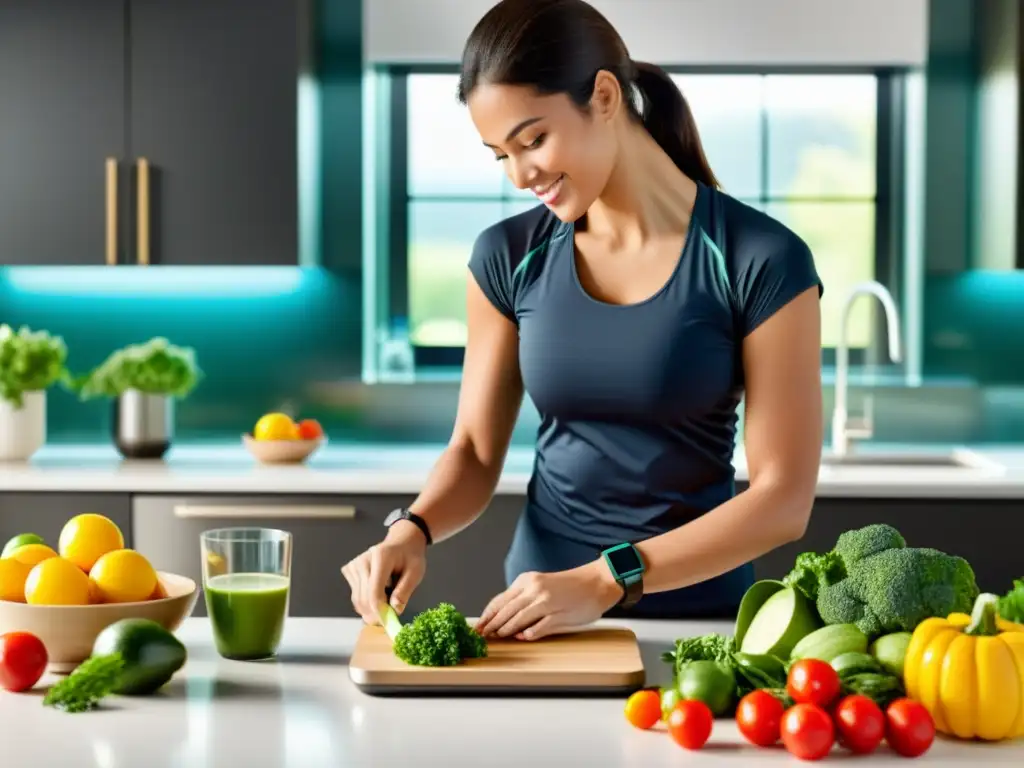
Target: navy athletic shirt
[637, 402]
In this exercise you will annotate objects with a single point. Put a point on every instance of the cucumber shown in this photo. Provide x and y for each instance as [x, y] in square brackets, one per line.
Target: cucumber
[854, 663]
[783, 620]
[828, 642]
[890, 650]
[751, 603]
[151, 654]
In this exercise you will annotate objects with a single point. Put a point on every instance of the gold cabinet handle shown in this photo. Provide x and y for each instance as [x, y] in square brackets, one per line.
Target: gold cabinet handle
[111, 212]
[142, 244]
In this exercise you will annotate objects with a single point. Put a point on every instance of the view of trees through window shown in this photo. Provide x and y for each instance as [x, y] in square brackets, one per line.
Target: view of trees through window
[802, 148]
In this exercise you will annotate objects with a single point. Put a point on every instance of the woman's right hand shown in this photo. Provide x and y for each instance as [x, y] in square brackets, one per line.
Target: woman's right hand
[400, 559]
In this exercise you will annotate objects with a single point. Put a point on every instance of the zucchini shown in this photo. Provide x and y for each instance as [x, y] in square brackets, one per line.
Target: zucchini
[828, 642]
[751, 603]
[783, 620]
[854, 663]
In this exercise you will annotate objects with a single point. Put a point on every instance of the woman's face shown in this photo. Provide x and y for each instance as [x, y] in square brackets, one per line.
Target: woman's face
[546, 144]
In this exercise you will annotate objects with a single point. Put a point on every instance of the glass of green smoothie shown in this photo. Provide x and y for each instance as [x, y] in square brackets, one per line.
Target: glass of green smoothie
[246, 576]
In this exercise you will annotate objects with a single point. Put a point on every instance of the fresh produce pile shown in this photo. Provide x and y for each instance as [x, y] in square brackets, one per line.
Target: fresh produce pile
[437, 637]
[872, 641]
[281, 426]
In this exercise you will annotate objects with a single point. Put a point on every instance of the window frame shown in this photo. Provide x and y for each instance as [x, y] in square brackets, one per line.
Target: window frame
[391, 126]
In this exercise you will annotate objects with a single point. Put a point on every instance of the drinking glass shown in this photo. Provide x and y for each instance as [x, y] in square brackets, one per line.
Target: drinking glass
[246, 580]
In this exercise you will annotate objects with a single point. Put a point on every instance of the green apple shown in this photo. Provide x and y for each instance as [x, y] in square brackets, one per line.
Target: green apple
[19, 541]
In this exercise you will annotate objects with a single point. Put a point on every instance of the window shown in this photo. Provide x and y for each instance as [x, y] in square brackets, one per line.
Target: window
[812, 150]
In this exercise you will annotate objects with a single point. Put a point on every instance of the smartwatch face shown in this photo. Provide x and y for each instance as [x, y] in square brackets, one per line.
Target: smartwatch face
[625, 560]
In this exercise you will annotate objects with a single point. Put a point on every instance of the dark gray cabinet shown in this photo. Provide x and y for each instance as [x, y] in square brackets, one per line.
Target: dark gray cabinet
[46, 513]
[151, 132]
[62, 118]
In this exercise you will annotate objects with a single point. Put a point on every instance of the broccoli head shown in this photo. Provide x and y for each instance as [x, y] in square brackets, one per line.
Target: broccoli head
[872, 579]
[439, 637]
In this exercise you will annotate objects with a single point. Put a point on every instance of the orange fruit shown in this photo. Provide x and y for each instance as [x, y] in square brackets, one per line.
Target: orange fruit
[33, 554]
[643, 709]
[57, 581]
[310, 429]
[275, 426]
[123, 576]
[12, 579]
[86, 538]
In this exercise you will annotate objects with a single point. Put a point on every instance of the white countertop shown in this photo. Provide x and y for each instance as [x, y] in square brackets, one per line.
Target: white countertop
[304, 712]
[387, 469]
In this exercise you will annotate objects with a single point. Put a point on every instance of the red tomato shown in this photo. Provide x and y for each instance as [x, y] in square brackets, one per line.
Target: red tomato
[807, 731]
[859, 723]
[812, 681]
[689, 724]
[310, 429]
[910, 729]
[23, 660]
[758, 717]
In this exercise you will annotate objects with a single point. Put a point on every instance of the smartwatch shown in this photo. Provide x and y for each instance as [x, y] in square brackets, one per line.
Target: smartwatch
[412, 517]
[628, 569]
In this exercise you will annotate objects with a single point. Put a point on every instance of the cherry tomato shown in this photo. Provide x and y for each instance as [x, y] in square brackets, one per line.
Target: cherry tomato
[759, 718]
[910, 729]
[812, 681]
[23, 660]
[309, 429]
[807, 731]
[689, 724]
[860, 724]
[643, 709]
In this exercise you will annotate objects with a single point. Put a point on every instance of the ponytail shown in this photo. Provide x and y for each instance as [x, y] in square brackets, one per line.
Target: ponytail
[667, 117]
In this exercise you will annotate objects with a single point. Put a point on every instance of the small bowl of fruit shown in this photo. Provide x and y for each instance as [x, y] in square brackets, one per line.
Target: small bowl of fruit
[68, 595]
[279, 439]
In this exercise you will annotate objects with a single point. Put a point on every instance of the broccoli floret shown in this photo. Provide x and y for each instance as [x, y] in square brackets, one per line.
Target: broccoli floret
[439, 637]
[895, 590]
[872, 579]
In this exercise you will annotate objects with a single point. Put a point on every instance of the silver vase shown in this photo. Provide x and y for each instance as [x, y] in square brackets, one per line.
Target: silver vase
[143, 424]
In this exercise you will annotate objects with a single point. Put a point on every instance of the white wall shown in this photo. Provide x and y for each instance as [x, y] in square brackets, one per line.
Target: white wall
[682, 32]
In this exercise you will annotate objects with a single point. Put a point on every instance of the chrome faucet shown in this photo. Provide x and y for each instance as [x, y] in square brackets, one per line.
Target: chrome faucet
[844, 432]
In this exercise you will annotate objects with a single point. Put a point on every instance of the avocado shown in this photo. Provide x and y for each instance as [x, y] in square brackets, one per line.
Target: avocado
[151, 654]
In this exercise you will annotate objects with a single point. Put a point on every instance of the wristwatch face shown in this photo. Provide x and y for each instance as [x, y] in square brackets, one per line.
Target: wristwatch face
[624, 560]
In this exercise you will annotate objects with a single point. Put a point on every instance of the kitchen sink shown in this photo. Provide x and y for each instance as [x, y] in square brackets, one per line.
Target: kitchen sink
[957, 459]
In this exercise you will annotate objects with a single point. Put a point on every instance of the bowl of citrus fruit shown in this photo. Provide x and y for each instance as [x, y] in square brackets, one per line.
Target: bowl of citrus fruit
[68, 595]
[279, 439]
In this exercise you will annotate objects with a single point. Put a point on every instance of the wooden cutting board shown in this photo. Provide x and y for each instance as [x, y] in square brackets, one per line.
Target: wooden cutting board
[593, 660]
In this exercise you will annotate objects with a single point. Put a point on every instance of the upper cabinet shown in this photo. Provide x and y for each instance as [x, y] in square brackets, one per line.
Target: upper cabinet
[149, 132]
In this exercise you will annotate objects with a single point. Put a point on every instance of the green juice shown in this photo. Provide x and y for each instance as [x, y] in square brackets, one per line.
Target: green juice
[247, 612]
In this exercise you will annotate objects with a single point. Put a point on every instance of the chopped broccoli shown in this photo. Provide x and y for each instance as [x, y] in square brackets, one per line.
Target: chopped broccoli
[439, 637]
[872, 579]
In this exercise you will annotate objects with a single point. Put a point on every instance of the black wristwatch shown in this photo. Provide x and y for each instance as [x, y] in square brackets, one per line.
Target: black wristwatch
[412, 517]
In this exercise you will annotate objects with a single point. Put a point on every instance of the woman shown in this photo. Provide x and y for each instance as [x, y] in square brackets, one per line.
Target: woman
[635, 305]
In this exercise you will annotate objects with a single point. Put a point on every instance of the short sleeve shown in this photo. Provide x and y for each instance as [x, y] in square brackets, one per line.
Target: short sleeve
[491, 265]
[774, 270]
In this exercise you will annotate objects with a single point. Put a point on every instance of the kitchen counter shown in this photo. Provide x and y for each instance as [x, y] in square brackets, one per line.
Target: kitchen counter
[387, 469]
[303, 712]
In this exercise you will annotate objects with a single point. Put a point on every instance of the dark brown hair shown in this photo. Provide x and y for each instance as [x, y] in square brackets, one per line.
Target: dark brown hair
[559, 46]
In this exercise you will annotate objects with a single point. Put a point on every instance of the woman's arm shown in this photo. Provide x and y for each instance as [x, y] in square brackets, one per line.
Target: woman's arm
[463, 480]
[783, 438]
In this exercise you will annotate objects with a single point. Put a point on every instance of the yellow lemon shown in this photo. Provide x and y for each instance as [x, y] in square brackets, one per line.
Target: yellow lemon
[123, 576]
[86, 538]
[57, 581]
[12, 579]
[33, 554]
[275, 426]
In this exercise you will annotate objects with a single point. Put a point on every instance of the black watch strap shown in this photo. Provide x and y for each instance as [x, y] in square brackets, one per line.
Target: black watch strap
[412, 517]
[632, 592]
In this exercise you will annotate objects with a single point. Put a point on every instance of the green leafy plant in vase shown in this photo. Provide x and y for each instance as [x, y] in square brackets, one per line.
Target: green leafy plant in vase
[143, 380]
[30, 363]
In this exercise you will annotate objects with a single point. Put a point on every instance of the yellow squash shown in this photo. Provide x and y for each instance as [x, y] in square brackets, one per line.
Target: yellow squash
[968, 672]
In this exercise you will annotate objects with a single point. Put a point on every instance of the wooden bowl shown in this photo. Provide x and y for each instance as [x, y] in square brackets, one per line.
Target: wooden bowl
[69, 631]
[281, 451]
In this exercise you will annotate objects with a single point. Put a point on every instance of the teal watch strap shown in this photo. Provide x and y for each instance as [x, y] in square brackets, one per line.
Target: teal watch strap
[628, 569]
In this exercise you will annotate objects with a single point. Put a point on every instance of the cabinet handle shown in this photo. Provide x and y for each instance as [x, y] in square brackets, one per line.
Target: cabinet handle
[111, 212]
[142, 246]
[311, 511]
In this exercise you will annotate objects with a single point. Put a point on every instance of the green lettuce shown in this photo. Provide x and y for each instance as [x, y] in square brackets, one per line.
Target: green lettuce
[156, 367]
[29, 361]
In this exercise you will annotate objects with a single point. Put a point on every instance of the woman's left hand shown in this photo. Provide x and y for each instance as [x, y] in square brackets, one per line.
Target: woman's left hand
[539, 604]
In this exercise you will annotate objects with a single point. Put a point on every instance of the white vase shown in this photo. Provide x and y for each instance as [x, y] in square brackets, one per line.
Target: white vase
[22, 430]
